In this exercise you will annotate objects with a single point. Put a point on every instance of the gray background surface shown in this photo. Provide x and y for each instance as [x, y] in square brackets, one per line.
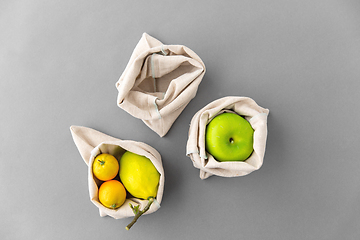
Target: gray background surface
[60, 60]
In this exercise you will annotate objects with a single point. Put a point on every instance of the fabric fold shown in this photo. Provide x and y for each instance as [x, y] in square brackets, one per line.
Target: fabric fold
[158, 82]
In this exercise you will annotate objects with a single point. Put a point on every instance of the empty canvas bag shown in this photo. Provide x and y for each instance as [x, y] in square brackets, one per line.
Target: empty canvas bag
[158, 82]
[195, 149]
[90, 143]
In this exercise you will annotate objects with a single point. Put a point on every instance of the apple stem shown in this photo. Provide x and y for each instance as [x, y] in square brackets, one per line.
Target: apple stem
[138, 213]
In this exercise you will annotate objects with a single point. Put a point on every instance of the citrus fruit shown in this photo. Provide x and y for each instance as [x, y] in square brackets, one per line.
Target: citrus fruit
[112, 194]
[105, 167]
[139, 175]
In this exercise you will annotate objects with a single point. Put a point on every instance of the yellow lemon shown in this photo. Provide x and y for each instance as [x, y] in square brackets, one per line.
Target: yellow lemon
[112, 194]
[139, 175]
[105, 167]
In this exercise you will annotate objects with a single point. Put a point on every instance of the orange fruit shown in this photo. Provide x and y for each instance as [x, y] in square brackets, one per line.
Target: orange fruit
[105, 167]
[112, 194]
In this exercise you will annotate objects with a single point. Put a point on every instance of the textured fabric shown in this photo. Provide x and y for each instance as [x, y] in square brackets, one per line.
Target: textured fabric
[90, 143]
[158, 82]
[195, 149]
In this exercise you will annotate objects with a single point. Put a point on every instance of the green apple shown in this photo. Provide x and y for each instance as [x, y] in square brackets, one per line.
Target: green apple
[229, 137]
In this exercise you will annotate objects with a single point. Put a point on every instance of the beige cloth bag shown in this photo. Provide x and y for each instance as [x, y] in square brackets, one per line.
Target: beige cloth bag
[90, 143]
[158, 82]
[195, 149]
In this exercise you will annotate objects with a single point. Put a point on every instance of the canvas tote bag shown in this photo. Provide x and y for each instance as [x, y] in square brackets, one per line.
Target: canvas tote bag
[158, 82]
[195, 148]
[90, 143]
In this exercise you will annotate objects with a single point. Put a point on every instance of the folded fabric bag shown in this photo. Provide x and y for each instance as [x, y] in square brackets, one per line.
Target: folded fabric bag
[90, 143]
[195, 148]
[158, 82]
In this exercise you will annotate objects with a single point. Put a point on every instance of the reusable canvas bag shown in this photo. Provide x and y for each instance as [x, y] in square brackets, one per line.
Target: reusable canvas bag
[91, 143]
[195, 148]
[158, 82]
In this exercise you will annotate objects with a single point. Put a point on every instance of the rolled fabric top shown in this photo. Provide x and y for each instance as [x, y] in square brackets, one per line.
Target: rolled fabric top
[208, 165]
[158, 82]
